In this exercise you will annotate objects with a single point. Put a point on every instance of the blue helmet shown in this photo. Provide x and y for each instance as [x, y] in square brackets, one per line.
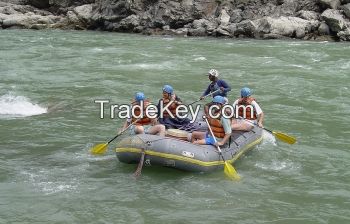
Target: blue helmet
[139, 96]
[245, 92]
[168, 89]
[219, 99]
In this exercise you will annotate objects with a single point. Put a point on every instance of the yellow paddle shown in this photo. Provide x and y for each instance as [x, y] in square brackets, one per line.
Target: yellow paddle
[102, 148]
[229, 170]
[281, 136]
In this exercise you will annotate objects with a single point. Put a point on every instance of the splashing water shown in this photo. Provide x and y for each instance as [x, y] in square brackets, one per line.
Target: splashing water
[19, 106]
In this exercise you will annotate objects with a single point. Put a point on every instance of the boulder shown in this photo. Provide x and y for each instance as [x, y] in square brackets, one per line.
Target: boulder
[334, 20]
[308, 15]
[224, 18]
[330, 4]
[323, 29]
[246, 28]
[236, 16]
[344, 35]
[84, 12]
[286, 26]
[346, 10]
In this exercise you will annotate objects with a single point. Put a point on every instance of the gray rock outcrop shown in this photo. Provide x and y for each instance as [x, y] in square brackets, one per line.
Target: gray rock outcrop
[302, 19]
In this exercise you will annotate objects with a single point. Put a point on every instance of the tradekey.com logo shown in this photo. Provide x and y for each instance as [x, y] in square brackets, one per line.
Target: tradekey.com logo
[127, 111]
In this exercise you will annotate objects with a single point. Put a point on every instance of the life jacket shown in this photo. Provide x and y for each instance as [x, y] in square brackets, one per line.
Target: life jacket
[172, 107]
[246, 101]
[216, 127]
[144, 120]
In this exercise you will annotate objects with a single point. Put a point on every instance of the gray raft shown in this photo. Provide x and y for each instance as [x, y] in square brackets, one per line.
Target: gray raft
[183, 155]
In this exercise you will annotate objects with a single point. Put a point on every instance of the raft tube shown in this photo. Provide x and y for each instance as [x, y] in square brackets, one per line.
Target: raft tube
[183, 155]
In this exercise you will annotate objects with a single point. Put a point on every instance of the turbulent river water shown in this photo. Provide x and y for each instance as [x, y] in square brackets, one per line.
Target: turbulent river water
[49, 121]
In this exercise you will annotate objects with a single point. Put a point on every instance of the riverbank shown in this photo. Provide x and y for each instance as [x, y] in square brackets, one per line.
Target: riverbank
[261, 19]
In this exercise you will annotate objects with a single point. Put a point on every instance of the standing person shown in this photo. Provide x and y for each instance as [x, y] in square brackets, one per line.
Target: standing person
[249, 112]
[143, 125]
[169, 97]
[216, 84]
[221, 127]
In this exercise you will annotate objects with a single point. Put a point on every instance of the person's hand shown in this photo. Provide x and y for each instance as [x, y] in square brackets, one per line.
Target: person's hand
[173, 97]
[218, 144]
[222, 89]
[202, 97]
[120, 131]
[260, 125]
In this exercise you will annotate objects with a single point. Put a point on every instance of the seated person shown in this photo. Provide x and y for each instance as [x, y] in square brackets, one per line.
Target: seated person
[170, 97]
[143, 125]
[221, 127]
[249, 112]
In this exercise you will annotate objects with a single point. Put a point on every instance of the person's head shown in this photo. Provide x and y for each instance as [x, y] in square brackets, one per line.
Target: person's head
[139, 96]
[220, 100]
[167, 91]
[245, 92]
[213, 74]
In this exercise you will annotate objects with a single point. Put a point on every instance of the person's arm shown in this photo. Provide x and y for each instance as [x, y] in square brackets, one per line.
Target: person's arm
[224, 86]
[261, 120]
[260, 113]
[206, 92]
[176, 99]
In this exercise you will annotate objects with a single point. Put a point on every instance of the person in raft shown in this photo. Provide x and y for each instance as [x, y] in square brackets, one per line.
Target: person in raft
[249, 112]
[220, 126]
[216, 84]
[170, 97]
[143, 125]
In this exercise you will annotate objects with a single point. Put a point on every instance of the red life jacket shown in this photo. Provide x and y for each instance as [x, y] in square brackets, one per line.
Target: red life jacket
[144, 120]
[216, 127]
[172, 107]
[246, 101]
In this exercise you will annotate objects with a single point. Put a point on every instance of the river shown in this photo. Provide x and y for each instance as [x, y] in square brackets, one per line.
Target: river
[49, 121]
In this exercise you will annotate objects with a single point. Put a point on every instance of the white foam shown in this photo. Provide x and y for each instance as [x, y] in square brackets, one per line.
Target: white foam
[200, 59]
[19, 106]
[269, 138]
[277, 166]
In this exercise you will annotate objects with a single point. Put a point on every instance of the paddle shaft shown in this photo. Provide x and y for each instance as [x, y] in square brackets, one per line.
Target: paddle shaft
[123, 131]
[204, 97]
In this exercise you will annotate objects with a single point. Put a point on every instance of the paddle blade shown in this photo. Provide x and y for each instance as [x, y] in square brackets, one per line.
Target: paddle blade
[284, 137]
[99, 149]
[231, 172]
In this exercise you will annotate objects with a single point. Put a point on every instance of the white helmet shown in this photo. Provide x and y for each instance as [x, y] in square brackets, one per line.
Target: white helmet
[213, 72]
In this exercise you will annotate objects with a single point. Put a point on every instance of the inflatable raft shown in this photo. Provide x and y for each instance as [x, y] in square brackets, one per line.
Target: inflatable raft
[183, 155]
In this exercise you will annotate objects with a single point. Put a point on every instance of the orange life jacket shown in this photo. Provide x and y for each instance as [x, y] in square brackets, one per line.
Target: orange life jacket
[246, 101]
[144, 120]
[216, 127]
[172, 108]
